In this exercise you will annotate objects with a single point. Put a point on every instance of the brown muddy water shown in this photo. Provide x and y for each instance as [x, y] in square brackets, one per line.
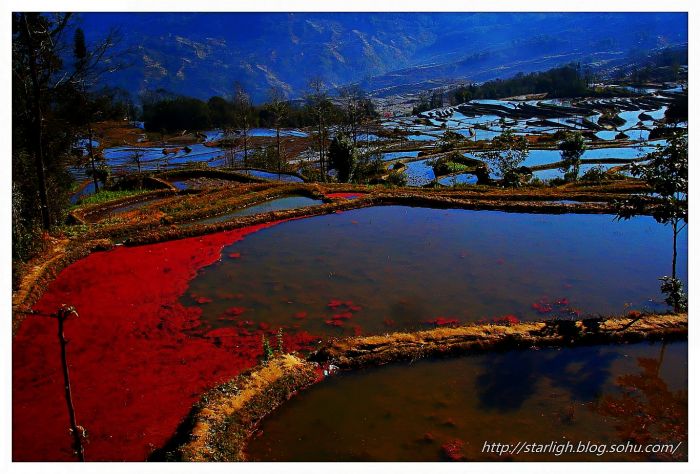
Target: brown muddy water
[438, 409]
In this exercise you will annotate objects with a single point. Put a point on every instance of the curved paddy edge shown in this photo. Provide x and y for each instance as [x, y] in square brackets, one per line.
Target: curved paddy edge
[226, 415]
[221, 424]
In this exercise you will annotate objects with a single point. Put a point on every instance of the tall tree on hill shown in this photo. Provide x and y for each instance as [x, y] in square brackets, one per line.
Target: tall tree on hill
[90, 103]
[243, 110]
[279, 109]
[508, 153]
[47, 106]
[571, 148]
[35, 62]
[666, 174]
[351, 99]
[80, 53]
[318, 103]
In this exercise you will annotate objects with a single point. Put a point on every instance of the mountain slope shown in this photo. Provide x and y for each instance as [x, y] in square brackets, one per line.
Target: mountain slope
[203, 54]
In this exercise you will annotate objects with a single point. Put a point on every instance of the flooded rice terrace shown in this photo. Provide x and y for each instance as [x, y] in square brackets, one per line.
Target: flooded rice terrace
[279, 204]
[189, 314]
[378, 269]
[446, 409]
[185, 315]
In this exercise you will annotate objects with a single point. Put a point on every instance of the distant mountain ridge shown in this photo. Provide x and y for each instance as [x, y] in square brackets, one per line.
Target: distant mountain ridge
[203, 54]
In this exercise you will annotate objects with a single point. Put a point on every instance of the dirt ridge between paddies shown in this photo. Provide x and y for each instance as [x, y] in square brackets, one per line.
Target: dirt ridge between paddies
[223, 421]
[224, 418]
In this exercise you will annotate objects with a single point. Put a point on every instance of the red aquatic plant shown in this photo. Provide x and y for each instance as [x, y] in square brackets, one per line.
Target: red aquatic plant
[454, 450]
[202, 300]
[235, 311]
[442, 321]
[136, 368]
[345, 315]
[542, 306]
[334, 322]
[347, 305]
[507, 320]
[300, 340]
[344, 195]
[335, 303]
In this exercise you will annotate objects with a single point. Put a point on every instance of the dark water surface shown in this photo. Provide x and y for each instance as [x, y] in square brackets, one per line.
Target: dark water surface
[408, 412]
[388, 268]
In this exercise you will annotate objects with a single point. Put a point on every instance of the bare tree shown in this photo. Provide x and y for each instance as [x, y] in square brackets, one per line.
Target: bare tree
[37, 39]
[135, 158]
[317, 101]
[38, 72]
[279, 109]
[242, 116]
[351, 100]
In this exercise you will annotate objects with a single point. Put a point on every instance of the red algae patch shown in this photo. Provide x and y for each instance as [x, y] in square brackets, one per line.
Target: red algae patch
[136, 366]
[344, 195]
[442, 321]
[507, 320]
[454, 450]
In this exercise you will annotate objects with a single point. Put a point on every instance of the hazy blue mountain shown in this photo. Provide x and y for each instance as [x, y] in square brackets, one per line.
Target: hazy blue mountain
[202, 54]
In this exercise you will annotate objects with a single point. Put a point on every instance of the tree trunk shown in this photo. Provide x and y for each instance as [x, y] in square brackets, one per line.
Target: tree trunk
[37, 125]
[76, 432]
[662, 354]
[279, 155]
[675, 250]
[92, 160]
[245, 146]
[320, 146]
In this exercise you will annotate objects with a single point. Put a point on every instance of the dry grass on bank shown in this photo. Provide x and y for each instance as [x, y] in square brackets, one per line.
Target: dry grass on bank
[356, 352]
[226, 415]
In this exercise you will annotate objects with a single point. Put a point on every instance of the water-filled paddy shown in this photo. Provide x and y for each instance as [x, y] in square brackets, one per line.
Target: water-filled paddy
[153, 158]
[279, 204]
[464, 178]
[376, 269]
[557, 173]
[543, 157]
[419, 173]
[422, 137]
[288, 178]
[393, 155]
[84, 190]
[418, 411]
[607, 134]
[213, 135]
